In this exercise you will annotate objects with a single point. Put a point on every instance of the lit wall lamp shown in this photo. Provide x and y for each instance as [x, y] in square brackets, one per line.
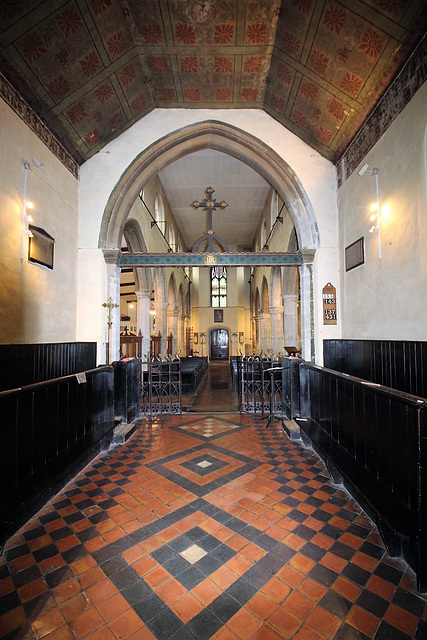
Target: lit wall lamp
[26, 204]
[375, 208]
[25, 221]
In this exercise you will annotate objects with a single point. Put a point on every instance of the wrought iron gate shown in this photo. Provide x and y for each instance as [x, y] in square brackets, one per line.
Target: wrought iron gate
[269, 386]
[161, 386]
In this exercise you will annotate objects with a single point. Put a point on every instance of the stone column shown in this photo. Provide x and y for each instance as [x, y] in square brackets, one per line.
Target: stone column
[181, 335]
[253, 336]
[143, 320]
[264, 325]
[162, 325]
[307, 304]
[290, 319]
[172, 315]
[111, 258]
[257, 341]
[276, 324]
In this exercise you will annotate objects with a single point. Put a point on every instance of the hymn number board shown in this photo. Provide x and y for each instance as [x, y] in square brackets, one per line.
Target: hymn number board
[329, 304]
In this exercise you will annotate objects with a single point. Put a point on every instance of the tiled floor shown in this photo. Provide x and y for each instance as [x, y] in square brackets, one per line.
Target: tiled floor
[215, 392]
[205, 527]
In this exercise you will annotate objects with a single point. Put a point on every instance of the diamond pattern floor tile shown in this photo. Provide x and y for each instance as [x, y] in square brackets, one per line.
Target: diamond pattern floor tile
[205, 527]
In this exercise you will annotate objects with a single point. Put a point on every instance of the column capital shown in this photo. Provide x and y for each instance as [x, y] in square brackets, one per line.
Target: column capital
[145, 293]
[307, 256]
[111, 256]
[275, 310]
[172, 311]
[289, 297]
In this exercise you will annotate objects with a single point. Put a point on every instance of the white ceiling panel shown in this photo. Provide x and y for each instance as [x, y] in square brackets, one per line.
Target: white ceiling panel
[244, 190]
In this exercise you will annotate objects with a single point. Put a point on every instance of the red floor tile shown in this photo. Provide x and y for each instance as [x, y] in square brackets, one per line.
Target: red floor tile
[87, 601]
[261, 606]
[362, 620]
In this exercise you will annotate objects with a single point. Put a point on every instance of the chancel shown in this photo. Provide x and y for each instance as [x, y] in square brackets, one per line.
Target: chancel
[146, 343]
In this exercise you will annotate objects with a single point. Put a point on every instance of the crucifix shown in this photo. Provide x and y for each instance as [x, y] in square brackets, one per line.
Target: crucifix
[110, 305]
[209, 205]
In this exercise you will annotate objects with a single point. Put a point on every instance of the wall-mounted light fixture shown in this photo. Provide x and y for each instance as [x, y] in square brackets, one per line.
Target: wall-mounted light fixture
[375, 207]
[27, 204]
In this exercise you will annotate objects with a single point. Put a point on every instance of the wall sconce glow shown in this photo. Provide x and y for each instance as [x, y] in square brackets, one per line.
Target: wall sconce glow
[385, 211]
[374, 207]
[152, 312]
[26, 204]
[24, 211]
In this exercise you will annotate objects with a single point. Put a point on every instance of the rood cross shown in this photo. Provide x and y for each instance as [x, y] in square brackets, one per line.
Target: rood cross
[209, 204]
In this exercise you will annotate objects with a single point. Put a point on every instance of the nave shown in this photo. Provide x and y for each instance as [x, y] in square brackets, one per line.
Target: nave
[205, 526]
[215, 393]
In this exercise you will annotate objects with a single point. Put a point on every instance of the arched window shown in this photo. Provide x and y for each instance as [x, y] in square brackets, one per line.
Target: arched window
[218, 287]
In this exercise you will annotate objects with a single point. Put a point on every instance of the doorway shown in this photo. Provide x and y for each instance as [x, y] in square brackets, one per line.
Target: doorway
[218, 344]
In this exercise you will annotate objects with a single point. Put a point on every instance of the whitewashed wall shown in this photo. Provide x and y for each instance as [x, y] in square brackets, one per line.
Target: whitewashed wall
[386, 298]
[100, 174]
[36, 304]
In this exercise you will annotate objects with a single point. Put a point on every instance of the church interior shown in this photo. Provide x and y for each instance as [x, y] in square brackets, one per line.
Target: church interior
[214, 182]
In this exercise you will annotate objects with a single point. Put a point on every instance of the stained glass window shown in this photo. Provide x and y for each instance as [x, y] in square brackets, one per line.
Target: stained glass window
[218, 287]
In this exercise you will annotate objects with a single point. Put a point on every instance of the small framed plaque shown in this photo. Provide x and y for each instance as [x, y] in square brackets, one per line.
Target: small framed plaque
[40, 247]
[218, 315]
[329, 295]
[354, 254]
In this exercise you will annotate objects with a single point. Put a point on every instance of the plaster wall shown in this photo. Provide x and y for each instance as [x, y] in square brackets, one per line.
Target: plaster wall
[384, 298]
[37, 304]
[315, 175]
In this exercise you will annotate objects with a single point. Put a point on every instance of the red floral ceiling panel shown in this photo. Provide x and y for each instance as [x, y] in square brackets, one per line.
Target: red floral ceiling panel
[95, 67]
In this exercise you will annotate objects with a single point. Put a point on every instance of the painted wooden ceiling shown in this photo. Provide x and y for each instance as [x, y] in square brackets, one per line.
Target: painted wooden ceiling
[91, 68]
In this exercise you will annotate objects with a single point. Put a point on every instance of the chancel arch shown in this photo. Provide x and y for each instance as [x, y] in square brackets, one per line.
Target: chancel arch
[227, 139]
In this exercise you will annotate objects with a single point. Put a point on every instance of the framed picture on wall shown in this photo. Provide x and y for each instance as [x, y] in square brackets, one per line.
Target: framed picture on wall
[218, 315]
[195, 338]
[40, 247]
[354, 254]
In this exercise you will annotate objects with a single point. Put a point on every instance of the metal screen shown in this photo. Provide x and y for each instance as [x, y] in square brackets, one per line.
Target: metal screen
[260, 385]
[161, 386]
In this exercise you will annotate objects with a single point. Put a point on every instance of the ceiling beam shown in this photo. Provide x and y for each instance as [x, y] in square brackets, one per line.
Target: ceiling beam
[210, 259]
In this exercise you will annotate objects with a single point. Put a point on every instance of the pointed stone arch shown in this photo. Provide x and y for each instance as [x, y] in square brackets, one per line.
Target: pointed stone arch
[211, 134]
[264, 295]
[221, 137]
